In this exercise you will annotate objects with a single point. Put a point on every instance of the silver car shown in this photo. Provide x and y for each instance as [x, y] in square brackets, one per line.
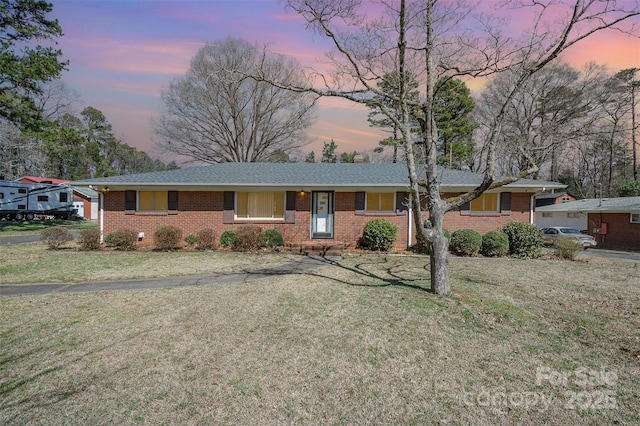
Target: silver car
[554, 232]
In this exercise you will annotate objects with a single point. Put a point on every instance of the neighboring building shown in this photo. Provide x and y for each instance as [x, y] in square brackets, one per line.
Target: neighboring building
[548, 198]
[35, 179]
[549, 211]
[85, 200]
[320, 201]
[614, 222]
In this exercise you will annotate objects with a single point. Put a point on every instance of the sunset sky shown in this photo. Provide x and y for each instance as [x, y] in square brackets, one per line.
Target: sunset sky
[122, 54]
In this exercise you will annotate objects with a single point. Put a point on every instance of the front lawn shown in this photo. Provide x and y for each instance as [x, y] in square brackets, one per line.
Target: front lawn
[361, 342]
[32, 227]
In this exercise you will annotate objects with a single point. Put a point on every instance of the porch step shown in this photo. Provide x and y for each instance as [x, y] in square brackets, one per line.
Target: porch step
[315, 248]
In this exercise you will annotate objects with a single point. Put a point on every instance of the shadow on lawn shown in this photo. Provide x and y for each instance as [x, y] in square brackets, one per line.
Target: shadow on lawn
[389, 275]
[62, 389]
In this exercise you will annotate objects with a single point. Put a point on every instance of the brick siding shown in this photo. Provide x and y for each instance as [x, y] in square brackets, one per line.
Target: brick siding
[202, 209]
[621, 233]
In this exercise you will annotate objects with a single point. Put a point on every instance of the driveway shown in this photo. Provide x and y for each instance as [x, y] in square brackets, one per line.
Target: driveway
[624, 255]
[19, 239]
[305, 263]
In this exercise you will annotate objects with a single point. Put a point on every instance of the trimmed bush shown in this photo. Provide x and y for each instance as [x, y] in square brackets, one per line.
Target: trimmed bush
[379, 235]
[525, 239]
[89, 239]
[466, 242]
[248, 238]
[206, 239]
[567, 248]
[191, 240]
[495, 243]
[55, 237]
[167, 238]
[228, 238]
[122, 239]
[272, 238]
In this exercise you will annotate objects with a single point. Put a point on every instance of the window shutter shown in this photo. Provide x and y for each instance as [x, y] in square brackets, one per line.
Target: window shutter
[359, 208]
[401, 202]
[172, 202]
[229, 198]
[465, 209]
[505, 203]
[130, 201]
[290, 207]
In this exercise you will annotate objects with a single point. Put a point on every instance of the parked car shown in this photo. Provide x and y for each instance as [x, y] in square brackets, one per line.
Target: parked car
[554, 232]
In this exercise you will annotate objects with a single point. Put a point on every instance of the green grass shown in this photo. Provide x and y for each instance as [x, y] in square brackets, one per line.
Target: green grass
[35, 226]
[361, 342]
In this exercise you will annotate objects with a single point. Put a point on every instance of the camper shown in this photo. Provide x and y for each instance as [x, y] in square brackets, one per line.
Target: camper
[26, 200]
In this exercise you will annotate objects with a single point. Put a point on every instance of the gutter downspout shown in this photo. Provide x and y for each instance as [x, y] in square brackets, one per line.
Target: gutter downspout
[409, 223]
[101, 207]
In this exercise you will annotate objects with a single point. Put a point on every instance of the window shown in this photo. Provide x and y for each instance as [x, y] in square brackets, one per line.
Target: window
[573, 215]
[64, 197]
[485, 203]
[566, 199]
[43, 198]
[22, 191]
[1, 195]
[153, 200]
[635, 217]
[260, 205]
[380, 201]
[547, 214]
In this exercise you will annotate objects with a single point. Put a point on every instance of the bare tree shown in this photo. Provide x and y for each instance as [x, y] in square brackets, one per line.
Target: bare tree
[431, 40]
[215, 114]
[550, 110]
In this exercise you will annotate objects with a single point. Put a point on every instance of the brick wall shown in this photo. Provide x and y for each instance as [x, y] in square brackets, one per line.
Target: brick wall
[621, 233]
[485, 222]
[202, 209]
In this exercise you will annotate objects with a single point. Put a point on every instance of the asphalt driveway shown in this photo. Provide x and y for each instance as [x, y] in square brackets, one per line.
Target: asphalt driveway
[305, 263]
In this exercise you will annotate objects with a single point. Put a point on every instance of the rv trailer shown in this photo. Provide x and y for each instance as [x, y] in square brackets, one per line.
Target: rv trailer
[25, 200]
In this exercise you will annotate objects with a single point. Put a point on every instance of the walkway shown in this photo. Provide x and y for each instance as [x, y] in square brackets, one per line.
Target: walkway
[305, 263]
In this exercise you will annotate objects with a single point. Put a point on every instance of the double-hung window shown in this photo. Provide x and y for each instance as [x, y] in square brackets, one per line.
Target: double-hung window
[486, 203]
[153, 200]
[260, 205]
[380, 202]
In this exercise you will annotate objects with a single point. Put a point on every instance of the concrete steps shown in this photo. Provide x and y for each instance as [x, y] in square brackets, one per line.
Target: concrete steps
[317, 248]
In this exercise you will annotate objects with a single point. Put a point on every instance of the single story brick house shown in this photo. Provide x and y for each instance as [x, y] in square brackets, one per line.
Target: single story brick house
[304, 201]
[614, 222]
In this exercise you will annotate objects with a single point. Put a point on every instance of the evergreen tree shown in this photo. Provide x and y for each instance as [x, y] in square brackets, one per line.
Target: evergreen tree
[23, 68]
[329, 152]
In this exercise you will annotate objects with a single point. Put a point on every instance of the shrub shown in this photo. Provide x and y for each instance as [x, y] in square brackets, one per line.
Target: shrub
[421, 246]
[167, 237]
[495, 243]
[567, 247]
[272, 238]
[248, 238]
[122, 239]
[228, 238]
[379, 234]
[55, 236]
[206, 239]
[466, 242]
[191, 240]
[89, 239]
[525, 239]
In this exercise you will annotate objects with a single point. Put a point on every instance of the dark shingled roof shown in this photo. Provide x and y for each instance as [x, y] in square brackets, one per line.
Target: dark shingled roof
[296, 174]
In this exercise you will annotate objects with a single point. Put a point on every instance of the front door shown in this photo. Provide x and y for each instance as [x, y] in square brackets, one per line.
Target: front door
[322, 215]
